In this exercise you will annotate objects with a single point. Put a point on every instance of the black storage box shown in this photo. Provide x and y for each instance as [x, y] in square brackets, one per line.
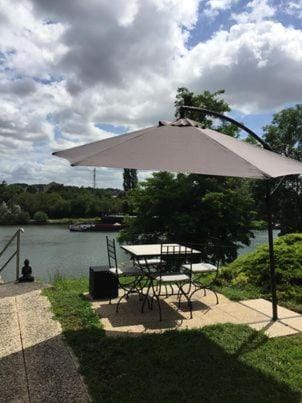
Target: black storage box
[102, 283]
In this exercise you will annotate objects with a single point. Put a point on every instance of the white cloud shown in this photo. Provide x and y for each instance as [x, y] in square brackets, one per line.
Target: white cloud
[70, 66]
[258, 10]
[214, 7]
[293, 8]
[67, 66]
[257, 63]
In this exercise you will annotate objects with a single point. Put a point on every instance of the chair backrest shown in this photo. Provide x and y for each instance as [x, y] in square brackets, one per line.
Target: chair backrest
[173, 256]
[111, 251]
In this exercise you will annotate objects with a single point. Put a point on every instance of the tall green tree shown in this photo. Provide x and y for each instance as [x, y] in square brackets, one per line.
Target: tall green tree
[284, 135]
[214, 215]
[129, 179]
[209, 100]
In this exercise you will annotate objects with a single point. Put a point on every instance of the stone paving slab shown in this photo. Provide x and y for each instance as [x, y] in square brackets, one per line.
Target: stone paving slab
[12, 370]
[255, 313]
[35, 363]
[7, 305]
[265, 307]
[244, 314]
[274, 329]
[295, 323]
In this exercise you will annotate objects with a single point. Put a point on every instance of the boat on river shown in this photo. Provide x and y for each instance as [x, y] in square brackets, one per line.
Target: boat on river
[102, 227]
[108, 224]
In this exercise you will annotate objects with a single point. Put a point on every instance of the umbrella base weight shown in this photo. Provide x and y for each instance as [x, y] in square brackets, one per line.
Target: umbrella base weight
[102, 283]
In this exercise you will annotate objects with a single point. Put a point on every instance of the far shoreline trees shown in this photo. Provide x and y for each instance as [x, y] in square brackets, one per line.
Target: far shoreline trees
[20, 203]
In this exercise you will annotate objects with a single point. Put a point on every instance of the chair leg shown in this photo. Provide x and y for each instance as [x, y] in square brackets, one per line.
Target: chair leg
[158, 302]
[166, 291]
[145, 298]
[188, 298]
[125, 295]
[179, 297]
[215, 293]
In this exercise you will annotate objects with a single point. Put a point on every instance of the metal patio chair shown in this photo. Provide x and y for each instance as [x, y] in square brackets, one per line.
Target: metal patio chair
[133, 273]
[197, 273]
[168, 273]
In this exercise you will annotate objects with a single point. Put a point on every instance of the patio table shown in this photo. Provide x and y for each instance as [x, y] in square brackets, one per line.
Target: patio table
[153, 250]
[147, 251]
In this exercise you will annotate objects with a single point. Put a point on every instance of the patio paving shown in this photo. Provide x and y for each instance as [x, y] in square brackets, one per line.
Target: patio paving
[255, 313]
[35, 363]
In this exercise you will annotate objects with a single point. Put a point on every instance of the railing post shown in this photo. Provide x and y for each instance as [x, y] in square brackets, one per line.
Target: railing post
[18, 256]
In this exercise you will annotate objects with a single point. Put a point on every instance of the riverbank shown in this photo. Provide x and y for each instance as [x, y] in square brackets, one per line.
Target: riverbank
[58, 221]
[257, 225]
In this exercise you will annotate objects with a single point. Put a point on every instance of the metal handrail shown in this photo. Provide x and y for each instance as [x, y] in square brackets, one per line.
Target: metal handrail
[15, 253]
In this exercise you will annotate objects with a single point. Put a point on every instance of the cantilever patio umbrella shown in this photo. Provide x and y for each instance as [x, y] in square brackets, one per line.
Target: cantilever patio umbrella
[184, 146]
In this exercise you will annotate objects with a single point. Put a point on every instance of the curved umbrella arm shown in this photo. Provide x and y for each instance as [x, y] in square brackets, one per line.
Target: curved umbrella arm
[205, 111]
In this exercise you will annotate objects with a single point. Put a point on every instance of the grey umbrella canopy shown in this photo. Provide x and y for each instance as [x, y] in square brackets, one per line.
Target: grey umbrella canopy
[183, 146]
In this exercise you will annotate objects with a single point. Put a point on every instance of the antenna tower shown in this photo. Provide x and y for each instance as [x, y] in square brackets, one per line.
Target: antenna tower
[94, 178]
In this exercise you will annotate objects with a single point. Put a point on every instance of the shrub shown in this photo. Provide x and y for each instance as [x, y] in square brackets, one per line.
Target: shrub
[40, 217]
[22, 218]
[253, 268]
[13, 214]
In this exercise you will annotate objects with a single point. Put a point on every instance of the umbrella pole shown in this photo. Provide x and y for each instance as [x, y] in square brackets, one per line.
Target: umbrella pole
[269, 194]
[271, 250]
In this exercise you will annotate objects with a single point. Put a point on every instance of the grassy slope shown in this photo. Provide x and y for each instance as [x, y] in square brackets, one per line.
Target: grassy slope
[222, 363]
[248, 275]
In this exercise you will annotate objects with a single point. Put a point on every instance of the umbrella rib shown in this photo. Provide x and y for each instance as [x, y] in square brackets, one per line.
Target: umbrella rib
[229, 149]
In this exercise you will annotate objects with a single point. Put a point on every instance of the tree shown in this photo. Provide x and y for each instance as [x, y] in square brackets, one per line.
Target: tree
[208, 100]
[12, 214]
[191, 209]
[215, 212]
[4, 213]
[40, 217]
[284, 135]
[129, 179]
[58, 201]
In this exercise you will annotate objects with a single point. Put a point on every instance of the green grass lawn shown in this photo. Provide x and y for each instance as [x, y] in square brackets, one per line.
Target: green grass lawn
[221, 363]
[291, 300]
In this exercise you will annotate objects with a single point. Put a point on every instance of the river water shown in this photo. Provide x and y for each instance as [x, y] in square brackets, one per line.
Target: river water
[53, 249]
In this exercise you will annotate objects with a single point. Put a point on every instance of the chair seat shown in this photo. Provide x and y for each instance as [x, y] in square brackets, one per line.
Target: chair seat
[173, 277]
[200, 267]
[126, 271]
[152, 261]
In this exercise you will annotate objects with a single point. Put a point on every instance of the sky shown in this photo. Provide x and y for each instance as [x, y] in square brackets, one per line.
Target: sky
[73, 72]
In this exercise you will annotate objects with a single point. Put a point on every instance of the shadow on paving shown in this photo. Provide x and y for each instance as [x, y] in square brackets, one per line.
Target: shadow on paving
[15, 289]
[130, 315]
[175, 366]
[50, 374]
